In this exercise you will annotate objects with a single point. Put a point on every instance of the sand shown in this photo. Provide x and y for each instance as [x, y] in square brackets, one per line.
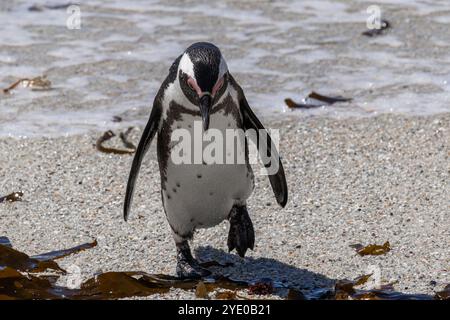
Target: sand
[351, 181]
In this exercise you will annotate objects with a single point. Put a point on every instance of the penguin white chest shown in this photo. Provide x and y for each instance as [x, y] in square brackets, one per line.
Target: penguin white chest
[199, 189]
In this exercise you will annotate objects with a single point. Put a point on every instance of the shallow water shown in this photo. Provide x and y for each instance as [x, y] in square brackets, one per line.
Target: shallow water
[115, 63]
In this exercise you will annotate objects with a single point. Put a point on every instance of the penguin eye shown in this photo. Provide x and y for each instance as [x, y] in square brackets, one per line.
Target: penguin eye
[191, 83]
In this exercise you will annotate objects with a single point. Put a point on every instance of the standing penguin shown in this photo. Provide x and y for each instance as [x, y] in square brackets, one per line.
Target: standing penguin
[200, 90]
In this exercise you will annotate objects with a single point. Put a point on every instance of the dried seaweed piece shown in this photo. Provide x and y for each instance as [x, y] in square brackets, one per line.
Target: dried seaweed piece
[14, 285]
[345, 288]
[58, 254]
[294, 105]
[444, 294]
[362, 279]
[226, 295]
[114, 285]
[326, 99]
[40, 8]
[221, 282]
[372, 249]
[13, 86]
[201, 291]
[384, 24]
[263, 287]
[315, 100]
[107, 136]
[294, 294]
[17, 260]
[37, 83]
[12, 197]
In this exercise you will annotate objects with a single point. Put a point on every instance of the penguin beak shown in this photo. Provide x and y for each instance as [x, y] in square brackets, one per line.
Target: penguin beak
[205, 106]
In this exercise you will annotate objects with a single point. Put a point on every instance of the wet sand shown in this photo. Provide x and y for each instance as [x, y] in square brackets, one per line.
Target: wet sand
[351, 181]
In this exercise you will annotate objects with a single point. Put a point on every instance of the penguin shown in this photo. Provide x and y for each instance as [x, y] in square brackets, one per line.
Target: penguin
[200, 90]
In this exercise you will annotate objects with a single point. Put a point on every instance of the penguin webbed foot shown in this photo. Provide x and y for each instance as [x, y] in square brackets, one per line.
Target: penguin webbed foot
[187, 266]
[241, 235]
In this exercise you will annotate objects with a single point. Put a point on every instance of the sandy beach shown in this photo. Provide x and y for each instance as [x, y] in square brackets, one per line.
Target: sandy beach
[354, 181]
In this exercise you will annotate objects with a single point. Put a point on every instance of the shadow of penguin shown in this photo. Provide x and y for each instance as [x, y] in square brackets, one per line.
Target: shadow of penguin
[254, 270]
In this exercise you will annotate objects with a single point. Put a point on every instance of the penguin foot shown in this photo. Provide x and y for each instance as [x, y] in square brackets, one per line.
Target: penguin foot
[241, 235]
[191, 270]
[187, 266]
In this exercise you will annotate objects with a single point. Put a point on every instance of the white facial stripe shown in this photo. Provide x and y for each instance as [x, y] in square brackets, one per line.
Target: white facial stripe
[223, 68]
[174, 93]
[186, 65]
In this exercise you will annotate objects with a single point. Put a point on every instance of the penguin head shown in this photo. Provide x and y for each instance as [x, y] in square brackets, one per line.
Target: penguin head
[203, 76]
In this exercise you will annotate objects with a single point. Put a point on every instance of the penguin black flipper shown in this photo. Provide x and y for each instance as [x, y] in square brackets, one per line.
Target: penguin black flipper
[277, 180]
[147, 136]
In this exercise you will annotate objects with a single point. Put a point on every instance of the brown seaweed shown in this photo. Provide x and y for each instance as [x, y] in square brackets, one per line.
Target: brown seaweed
[294, 294]
[372, 249]
[226, 295]
[14, 285]
[315, 100]
[12, 197]
[444, 294]
[37, 83]
[201, 291]
[19, 261]
[262, 287]
[294, 105]
[40, 8]
[110, 134]
[58, 254]
[345, 290]
[20, 279]
[114, 285]
[384, 24]
[326, 99]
